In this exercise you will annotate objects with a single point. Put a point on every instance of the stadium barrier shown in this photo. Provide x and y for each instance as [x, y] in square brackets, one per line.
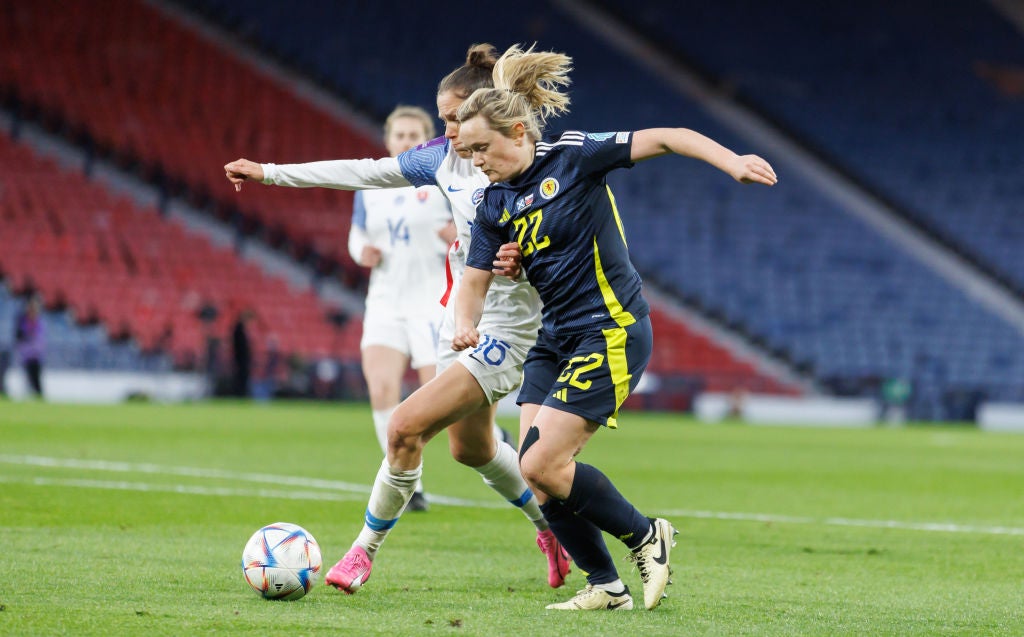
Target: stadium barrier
[787, 410]
[1003, 417]
[91, 386]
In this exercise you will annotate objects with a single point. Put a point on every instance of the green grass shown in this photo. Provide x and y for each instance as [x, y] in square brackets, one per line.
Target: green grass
[85, 550]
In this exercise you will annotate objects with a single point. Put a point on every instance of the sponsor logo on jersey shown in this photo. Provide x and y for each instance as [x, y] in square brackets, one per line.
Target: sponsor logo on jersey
[600, 137]
[422, 195]
[504, 217]
[478, 196]
[450, 189]
[622, 138]
[549, 188]
[524, 202]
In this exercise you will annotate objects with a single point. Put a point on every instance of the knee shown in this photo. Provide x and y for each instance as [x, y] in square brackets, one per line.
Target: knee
[404, 434]
[469, 454]
[383, 391]
[547, 473]
[534, 472]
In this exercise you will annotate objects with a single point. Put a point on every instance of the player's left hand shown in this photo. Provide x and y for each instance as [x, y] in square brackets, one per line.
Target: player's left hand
[508, 261]
[751, 169]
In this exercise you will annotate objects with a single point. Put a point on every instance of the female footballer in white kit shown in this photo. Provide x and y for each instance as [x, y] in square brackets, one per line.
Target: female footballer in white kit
[461, 397]
[403, 235]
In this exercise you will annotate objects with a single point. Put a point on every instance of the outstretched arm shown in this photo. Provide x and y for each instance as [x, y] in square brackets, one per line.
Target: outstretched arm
[656, 142]
[341, 174]
[469, 307]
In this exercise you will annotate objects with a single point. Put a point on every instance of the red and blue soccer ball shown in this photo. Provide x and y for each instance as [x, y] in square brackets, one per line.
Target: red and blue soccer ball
[281, 561]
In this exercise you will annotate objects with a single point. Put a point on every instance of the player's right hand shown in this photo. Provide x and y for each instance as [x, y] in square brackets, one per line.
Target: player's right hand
[465, 337]
[371, 257]
[241, 170]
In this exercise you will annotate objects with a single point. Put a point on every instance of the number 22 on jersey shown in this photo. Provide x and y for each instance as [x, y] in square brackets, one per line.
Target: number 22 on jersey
[531, 223]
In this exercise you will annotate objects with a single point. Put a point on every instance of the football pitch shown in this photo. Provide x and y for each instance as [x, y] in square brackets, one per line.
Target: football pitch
[130, 520]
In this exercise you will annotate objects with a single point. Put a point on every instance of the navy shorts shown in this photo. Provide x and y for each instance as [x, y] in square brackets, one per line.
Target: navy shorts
[588, 374]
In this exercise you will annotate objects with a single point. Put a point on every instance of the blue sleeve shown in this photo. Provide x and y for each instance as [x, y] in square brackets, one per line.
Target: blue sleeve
[486, 237]
[419, 165]
[359, 211]
[603, 152]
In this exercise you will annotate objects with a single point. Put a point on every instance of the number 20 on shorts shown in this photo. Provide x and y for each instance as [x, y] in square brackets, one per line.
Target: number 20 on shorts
[491, 351]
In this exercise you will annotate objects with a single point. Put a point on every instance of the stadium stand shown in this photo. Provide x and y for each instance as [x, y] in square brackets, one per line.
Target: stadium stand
[789, 268]
[73, 346]
[150, 94]
[916, 100]
[139, 276]
[687, 363]
[121, 99]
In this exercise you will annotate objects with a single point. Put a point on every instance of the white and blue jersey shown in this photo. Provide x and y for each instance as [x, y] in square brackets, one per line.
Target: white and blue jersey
[511, 308]
[403, 223]
[511, 317]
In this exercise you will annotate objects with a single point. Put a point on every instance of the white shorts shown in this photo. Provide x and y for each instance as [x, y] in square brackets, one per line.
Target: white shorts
[496, 364]
[508, 329]
[416, 338]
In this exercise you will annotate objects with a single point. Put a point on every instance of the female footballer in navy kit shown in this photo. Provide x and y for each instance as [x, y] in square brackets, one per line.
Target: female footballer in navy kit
[551, 197]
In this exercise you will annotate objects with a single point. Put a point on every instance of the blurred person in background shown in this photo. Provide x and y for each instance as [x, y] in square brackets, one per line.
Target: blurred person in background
[265, 385]
[5, 359]
[30, 343]
[241, 352]
[403, 235]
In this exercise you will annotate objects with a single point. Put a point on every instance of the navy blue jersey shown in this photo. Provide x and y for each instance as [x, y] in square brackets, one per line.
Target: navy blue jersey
[563, 215]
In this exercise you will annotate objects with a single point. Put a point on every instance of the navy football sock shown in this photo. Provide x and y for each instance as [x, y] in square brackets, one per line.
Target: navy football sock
[582, 540]
[595, 498]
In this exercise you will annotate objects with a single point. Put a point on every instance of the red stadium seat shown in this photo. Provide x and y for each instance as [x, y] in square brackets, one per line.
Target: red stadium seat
[680, 351]
[134, 270]
[165, 105]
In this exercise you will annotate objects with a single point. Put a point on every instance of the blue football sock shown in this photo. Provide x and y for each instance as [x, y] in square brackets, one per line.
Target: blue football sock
[582, 540]
[595, 498]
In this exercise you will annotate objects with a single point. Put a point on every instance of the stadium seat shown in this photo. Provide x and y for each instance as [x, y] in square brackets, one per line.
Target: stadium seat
[139, 274]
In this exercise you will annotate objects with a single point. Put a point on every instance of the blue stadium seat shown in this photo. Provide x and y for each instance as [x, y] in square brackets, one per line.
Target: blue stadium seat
[71, 346]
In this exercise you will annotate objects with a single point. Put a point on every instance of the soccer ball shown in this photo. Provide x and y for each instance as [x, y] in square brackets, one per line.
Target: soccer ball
[281, 561]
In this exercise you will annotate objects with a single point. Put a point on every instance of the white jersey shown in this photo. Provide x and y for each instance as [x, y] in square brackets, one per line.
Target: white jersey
[403, 223]
[512, 309]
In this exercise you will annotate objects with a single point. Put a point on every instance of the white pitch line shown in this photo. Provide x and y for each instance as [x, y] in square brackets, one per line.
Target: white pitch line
[117, 485]
[192, 472]
[938, 527]
[350, 490]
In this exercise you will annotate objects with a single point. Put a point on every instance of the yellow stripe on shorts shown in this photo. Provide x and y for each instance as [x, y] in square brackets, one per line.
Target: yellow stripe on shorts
[618, 367]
